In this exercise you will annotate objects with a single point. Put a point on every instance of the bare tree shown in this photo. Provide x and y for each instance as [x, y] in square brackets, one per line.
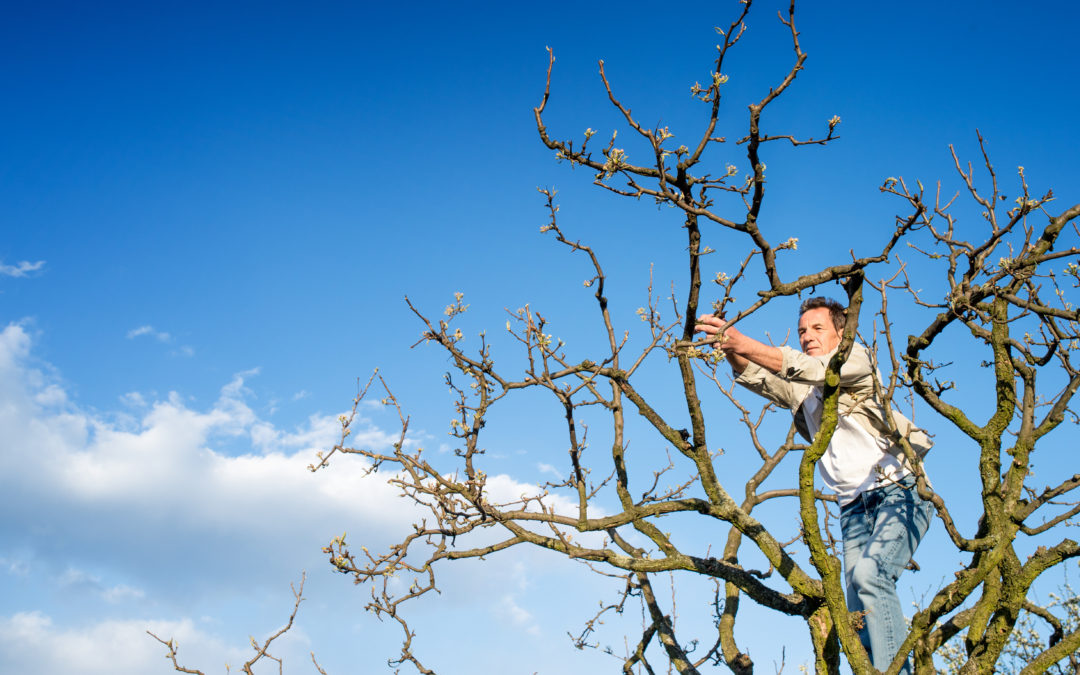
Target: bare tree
[1002, 290]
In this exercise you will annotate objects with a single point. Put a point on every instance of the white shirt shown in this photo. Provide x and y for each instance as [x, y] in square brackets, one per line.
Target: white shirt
[855, 461]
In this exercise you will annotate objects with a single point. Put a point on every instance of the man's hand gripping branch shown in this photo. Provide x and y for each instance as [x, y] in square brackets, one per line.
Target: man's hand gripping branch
[739, 349]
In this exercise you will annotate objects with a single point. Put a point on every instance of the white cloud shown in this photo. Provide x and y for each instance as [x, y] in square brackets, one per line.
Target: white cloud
[73, 577]
[122, 593]
[31, 643]
[21, 269]
[547, 468]
[517, 615]
[133, 399]
[156, 496]
[76, 578]
[161, 336]
[184, 351]
[521, 575]
[14, 566]
[508, 605]
[51, 395]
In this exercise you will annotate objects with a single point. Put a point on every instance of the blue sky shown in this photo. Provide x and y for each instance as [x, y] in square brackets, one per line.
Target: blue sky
[212, 213]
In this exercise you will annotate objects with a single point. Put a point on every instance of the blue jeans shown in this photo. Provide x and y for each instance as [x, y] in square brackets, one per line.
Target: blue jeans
[882, 528]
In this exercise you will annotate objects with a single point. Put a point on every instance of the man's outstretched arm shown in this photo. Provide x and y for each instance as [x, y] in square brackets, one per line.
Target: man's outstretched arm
[739, 349]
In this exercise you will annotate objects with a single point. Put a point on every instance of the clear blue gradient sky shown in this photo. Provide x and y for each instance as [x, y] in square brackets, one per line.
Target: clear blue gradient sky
[212, 213]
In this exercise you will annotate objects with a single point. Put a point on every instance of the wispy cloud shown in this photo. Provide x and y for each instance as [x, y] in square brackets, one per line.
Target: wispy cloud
[21, 269]
[77, 578]
[184, 351]
[14, 566]
[161, 336]
[547, 468]
[508, 608]
[133, 399]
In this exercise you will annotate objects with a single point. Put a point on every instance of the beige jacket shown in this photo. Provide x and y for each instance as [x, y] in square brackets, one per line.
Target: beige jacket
[801, 373]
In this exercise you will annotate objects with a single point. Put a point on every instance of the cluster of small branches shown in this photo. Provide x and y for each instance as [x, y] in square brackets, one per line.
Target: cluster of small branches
[262, 650]
[1026, 641]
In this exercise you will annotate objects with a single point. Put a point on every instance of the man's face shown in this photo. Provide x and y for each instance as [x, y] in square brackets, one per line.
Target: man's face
[817, 334]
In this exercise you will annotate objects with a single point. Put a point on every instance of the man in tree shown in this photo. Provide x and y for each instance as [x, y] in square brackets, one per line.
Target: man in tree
[881, 515]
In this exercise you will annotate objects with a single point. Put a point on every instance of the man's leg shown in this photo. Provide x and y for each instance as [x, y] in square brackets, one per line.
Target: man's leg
[856, 527]
[890, 527]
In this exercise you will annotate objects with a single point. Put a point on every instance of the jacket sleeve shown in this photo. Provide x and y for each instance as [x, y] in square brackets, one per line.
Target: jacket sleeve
[810, 370]
[761, 381]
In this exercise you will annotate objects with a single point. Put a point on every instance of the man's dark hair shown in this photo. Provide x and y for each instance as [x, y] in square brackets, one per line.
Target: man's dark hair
[837, 312]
